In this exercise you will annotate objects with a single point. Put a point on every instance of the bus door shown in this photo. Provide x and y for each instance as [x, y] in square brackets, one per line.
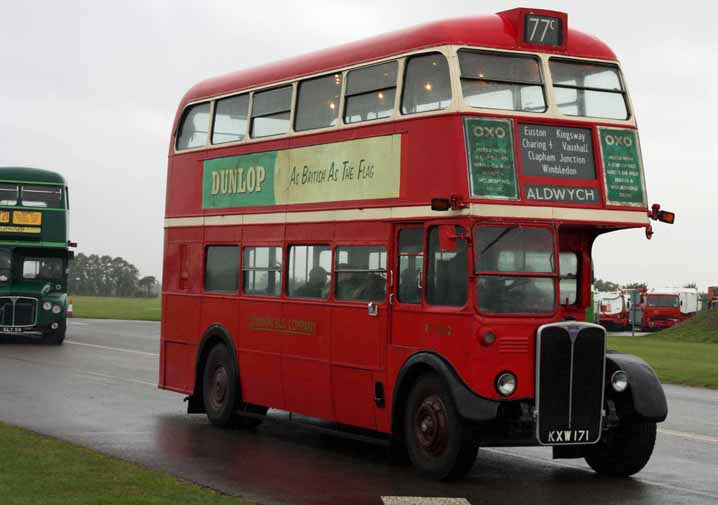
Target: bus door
[359, 333]
[431, 292]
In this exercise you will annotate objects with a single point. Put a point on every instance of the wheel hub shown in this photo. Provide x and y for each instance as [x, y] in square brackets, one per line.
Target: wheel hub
[218, 392]
[431, 425]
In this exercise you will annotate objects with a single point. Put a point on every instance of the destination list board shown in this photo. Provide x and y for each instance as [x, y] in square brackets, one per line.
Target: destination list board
[490, 154]
[556, 151]
[622, 166]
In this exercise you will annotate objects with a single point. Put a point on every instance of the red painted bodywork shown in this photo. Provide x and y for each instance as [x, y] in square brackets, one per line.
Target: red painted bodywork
[659, 318]
[332, 373]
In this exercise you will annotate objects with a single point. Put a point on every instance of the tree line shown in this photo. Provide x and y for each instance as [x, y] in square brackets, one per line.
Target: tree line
[95, 275]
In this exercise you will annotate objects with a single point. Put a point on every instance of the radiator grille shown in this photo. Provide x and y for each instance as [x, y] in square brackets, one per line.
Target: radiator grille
[570, 368]
[17, 311]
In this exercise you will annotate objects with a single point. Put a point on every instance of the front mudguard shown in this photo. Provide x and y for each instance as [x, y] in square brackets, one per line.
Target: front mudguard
[644, 397]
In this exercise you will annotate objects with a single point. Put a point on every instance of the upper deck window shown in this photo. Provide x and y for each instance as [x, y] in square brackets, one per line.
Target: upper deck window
[588, 89]
[9, 194]
[270, 112]
[494, 81]
[230, 119]
[42, 196]
[318, 102]
[194, 129]
[370, 93]
[427, 85]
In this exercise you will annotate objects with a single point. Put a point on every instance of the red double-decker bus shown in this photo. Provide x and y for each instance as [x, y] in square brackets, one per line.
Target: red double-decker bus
[395, 235]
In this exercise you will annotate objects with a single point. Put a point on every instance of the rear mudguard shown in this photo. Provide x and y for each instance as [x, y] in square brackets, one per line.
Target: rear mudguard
[648, 400]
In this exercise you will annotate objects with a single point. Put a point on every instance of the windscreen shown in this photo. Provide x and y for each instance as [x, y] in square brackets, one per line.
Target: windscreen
[503, 257]
[663, 301]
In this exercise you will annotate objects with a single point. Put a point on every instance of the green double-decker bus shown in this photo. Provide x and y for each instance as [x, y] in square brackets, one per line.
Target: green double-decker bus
[34, 253]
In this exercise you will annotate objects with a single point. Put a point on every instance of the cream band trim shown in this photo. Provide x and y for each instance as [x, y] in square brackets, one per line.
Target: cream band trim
[637, 217]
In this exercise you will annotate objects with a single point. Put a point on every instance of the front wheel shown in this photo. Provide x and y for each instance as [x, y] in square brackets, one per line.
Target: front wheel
[439, 443]
[624, 450]
[57, 336]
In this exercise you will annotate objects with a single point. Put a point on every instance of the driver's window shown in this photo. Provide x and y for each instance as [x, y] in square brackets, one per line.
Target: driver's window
[447, 273]
[568, 267]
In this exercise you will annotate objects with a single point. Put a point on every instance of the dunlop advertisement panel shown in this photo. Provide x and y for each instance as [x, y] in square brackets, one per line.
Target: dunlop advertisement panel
[362, 169]
[622, 166]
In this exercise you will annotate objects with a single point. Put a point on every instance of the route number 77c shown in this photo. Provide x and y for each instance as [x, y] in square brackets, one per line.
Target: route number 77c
[543, 30]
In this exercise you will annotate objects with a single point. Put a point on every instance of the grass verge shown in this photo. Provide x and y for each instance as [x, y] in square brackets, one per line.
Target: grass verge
[675, 362]
[103, 307]
[35, 469]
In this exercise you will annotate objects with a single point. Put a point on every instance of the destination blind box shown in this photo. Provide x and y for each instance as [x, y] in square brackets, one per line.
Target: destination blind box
[538, 27]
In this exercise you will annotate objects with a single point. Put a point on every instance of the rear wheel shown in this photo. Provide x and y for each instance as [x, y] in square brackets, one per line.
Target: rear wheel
[221, 394]
[624, 450]
[439, 443]
[57, 336]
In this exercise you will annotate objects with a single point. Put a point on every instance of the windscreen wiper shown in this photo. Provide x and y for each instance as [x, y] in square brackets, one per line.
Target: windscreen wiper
[501, 235]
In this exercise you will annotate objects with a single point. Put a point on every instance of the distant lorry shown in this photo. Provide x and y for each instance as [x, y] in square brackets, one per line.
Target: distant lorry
[666, 307]
[613, 311]
[712, 297]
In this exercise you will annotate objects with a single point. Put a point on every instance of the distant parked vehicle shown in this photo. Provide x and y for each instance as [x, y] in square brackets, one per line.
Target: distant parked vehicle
[613, 314]
[712, 297]
[666, 307]
[33, 253]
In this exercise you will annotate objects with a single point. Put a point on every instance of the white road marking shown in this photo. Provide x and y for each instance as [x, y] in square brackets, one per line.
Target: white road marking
[78, 323]
[579, 467]
[120, 349]
[423, 500]
[692, 436]
[114, 377]
[80, 370]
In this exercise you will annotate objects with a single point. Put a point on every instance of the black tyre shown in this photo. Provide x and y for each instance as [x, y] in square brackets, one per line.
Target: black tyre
[55, 337]
[624, 450]
[221, 393]
[439, 443]
[220, 387]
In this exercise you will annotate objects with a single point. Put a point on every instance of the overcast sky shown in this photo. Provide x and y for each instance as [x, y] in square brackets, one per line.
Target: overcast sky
[90, 88]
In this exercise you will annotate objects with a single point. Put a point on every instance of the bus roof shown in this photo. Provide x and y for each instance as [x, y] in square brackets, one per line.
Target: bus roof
[495, 31]
[28, 174]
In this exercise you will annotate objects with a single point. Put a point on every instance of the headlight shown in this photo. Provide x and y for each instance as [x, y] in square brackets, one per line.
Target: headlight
[506, 383]
[47, 306]
[619, 381]
[56, 309]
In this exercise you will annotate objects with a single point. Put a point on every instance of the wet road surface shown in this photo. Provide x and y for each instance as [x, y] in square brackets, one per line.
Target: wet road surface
[99, 390]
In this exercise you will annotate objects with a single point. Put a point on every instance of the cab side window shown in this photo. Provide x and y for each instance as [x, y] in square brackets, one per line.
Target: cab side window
[411, 264]
[447, 274]
[568, 268]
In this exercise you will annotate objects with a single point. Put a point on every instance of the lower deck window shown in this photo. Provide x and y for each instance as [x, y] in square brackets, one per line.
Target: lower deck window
[360, 273]
[262, 271]
[221, 269]
[309, 271]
